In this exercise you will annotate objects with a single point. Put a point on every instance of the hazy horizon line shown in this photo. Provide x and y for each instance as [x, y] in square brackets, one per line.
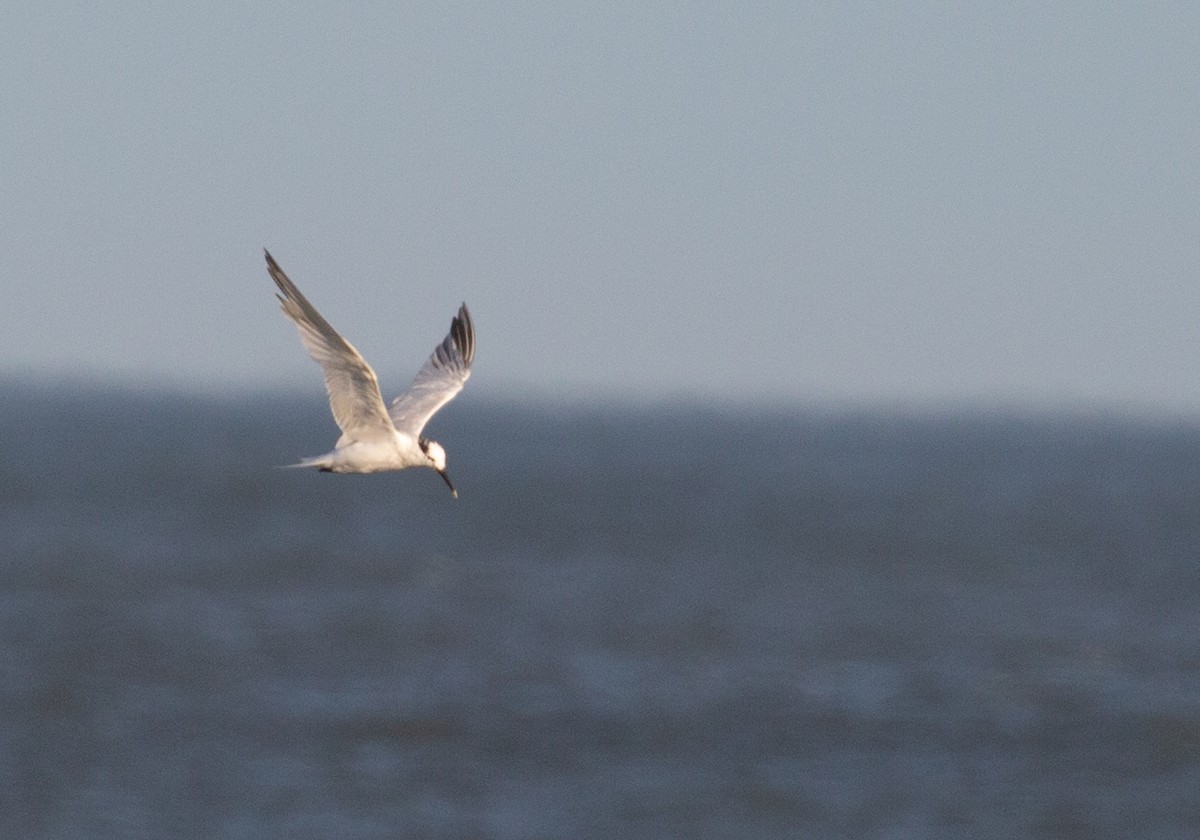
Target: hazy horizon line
[598, 398]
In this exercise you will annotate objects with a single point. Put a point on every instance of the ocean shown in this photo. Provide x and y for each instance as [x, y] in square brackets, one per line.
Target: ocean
[635, 622]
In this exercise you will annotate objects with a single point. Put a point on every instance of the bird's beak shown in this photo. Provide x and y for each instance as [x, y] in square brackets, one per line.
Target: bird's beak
[446, 479]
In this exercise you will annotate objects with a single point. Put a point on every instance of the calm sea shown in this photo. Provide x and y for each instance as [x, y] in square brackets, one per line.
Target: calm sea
[634, 623]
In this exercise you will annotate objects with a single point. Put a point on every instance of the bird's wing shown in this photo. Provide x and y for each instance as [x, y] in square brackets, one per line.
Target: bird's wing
[353, 388]
[440, 379]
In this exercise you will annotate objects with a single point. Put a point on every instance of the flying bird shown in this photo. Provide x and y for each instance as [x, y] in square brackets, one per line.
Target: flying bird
[376, 438]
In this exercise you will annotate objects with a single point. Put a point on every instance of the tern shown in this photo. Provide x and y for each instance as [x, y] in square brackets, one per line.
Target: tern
[376, 438]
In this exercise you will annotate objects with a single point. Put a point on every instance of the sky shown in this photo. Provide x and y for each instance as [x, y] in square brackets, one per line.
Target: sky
[786, 203]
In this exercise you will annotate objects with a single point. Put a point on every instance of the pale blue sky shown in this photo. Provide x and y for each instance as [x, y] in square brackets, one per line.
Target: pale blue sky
[795, 202]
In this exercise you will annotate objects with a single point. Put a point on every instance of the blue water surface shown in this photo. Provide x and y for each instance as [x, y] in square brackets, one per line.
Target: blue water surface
[635, 622]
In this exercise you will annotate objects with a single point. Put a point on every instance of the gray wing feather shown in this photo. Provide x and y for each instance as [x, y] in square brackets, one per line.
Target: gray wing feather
[440, 379]
[353, 387]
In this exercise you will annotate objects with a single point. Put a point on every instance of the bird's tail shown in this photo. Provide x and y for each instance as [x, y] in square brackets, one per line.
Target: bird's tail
[321, 462]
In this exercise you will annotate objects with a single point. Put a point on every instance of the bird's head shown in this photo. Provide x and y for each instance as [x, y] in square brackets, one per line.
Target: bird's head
[437, 461]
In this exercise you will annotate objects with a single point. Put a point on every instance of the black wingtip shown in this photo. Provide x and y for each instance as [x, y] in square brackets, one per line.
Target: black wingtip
[462, 330]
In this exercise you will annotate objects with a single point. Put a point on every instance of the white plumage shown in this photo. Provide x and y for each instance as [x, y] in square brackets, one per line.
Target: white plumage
[374, 437]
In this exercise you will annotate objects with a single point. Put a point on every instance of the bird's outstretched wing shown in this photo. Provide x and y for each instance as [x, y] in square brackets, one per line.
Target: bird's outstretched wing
[440, 379]
[353, 387]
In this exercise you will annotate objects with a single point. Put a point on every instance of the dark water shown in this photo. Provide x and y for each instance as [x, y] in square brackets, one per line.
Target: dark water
[635, 623]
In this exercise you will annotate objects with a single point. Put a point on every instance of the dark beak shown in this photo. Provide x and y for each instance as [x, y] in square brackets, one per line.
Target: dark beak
[446, 479]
